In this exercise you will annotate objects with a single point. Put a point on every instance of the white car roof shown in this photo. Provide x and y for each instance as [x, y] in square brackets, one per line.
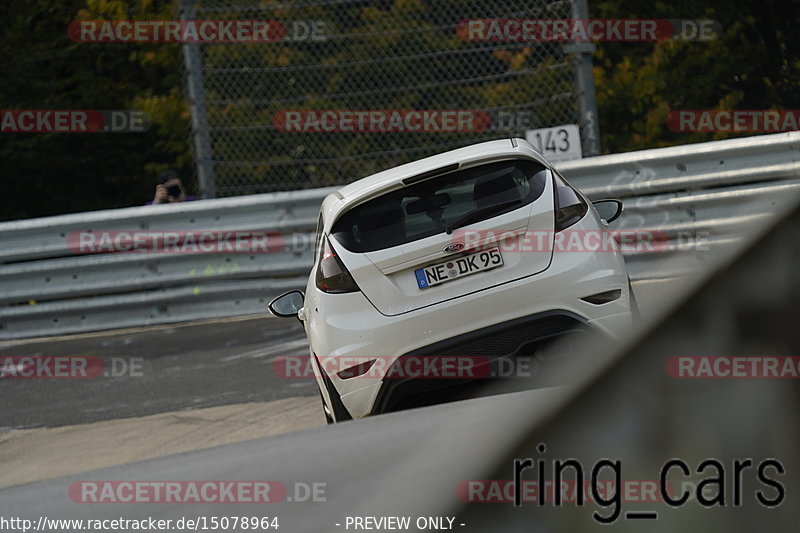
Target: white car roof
[391, 179]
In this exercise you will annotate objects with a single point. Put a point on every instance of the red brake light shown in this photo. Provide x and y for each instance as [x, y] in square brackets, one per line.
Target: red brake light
[332, 276]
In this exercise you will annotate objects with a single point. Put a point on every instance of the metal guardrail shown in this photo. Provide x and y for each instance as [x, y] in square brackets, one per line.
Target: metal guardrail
[700, 195]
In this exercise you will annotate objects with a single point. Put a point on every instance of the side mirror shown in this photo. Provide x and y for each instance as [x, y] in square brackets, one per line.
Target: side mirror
[287, 304]
[609, 210]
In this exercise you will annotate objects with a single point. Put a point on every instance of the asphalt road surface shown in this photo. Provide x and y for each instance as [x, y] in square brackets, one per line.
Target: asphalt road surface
[163, 369]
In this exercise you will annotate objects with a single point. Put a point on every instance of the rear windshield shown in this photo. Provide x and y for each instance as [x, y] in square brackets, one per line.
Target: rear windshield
[431, 206]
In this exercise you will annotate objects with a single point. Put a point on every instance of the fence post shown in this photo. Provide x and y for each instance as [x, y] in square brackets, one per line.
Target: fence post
[197, 103]
[590, 129]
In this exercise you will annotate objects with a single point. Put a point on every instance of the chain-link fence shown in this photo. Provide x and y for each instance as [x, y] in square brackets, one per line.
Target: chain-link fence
[259, 107]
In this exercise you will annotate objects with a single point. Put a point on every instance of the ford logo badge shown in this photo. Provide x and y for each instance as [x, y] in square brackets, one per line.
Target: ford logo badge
[453, 247]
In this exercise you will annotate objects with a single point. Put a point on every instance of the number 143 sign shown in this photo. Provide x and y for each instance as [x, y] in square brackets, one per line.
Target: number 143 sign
[559, 143]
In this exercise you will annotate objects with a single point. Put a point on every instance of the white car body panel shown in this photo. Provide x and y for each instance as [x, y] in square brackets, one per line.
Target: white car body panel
[391, 316]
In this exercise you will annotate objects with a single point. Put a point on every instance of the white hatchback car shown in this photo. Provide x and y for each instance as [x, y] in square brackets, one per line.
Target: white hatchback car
[459, 254]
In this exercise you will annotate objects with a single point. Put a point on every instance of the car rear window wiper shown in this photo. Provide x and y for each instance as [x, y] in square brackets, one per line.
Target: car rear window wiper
[479, 214]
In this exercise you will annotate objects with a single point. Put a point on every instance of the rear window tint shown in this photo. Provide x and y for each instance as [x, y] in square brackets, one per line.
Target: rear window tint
[428, 207]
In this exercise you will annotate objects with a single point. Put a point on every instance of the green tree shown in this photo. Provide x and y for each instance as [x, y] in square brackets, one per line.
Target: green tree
[54, 173]
[753, 64]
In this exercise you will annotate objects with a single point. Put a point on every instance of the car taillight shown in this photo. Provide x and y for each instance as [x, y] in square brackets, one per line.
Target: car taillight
[332, 276]
[570, 207]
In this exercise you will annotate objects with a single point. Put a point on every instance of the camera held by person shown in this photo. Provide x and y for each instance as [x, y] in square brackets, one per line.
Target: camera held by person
[170, 189]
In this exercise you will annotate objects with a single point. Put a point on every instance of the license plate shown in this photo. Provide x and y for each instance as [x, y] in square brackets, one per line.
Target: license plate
[458, 267]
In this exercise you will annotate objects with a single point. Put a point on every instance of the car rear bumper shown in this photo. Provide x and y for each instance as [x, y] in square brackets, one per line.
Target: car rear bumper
[515, 340]
[343, 325]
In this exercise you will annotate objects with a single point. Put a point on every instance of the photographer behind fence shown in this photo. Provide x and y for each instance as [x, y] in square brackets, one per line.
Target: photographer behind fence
[170, 189]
